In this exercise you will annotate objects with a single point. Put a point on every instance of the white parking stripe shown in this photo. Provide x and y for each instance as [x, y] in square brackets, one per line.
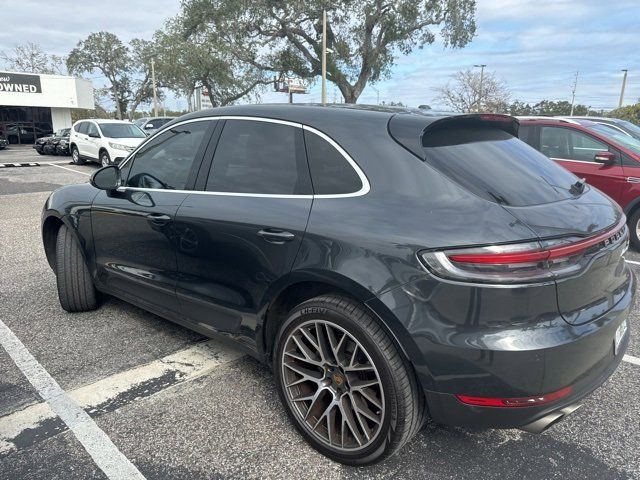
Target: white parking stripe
[631, 359]
[67, 168]
[632, 262]
[104, 453]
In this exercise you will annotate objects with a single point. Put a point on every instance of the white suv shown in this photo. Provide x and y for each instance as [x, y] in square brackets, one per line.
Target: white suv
[103, 141]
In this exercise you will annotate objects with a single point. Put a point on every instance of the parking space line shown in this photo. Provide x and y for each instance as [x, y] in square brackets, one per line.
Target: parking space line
[632, 262]
[99, 446]
[67, 168]
[631, 359]
[115, 391]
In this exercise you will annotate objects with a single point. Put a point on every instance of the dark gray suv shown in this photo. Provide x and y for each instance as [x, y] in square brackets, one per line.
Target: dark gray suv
[391, 266]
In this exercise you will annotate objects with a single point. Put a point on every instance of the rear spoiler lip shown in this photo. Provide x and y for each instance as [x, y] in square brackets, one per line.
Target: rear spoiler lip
[504, 122]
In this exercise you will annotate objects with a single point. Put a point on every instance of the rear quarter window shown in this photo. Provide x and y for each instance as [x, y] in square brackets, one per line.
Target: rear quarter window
[331, 173]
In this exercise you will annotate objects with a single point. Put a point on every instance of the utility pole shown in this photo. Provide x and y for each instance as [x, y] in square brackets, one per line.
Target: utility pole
[377, 93]
[324, 57]
[153, 81]
[624, 84]
[573, 92]
[481, 67]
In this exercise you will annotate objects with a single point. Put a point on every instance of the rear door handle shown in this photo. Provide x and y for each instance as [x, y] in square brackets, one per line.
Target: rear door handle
[158, 218]
[273, 235]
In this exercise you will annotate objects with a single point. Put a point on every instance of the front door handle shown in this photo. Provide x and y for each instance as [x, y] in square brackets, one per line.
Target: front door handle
[159, 218]
[273, 235]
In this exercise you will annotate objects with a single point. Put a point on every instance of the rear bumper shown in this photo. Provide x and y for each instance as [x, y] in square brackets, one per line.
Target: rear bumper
[534, 354]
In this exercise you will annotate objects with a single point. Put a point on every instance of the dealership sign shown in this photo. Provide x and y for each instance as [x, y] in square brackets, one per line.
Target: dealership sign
[20, 83]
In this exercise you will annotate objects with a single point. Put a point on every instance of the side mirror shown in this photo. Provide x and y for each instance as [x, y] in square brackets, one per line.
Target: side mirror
[605, 158]
[107, 178]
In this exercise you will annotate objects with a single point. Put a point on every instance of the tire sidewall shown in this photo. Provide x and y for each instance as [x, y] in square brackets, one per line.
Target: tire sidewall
[75, 155]
[633, 235]
[105, 155]
[325, 312]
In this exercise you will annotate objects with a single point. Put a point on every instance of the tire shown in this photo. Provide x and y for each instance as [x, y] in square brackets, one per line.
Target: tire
[105, 159]
[634, 225]
[392, 410]
[76, 291]
[75, 156]
[41, 152]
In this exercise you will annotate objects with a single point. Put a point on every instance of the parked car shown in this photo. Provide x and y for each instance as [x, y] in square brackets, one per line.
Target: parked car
[606, 158]
[47, 145]
[390, 266]
[622, 126]
[103, 141]
[51, 147]
[3, 143]
[151, 125]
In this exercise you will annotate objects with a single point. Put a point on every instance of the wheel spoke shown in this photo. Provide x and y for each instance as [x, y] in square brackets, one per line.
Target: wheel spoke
[325, 351]
[349, 418]
[366, 394]
[312, 375]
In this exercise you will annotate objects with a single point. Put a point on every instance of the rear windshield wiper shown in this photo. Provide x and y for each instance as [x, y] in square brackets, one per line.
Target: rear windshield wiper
[578, 187]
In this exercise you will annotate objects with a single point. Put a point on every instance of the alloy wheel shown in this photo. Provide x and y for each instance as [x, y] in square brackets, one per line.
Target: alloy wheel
[332, 385]
[104, 160]
[638, 228]
[75, 156]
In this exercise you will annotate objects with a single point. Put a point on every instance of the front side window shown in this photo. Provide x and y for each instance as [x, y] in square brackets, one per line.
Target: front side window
[92, 130]
[259, 157]
[166, 161]
[331, 173]
[567, 144]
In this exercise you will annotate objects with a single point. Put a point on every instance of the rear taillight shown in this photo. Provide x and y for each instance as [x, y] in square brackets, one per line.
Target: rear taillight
[523, 262]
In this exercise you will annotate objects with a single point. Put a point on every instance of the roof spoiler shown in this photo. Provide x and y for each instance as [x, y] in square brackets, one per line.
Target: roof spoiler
[506, 123]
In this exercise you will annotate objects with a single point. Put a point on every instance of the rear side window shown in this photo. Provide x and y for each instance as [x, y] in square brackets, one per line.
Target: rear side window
[497, 166]
[166, 161]
[331, 173]
[259, 157]
[81, 127]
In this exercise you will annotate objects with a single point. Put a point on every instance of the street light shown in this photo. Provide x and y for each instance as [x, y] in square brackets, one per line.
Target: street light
[624, 84]
[324, 57]
[481, 67]
[377, 93]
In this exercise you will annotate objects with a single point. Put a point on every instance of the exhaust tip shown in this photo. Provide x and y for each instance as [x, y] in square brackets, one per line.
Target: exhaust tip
[545, 423]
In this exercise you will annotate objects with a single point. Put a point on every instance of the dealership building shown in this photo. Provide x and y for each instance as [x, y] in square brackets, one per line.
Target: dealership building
[32, 106]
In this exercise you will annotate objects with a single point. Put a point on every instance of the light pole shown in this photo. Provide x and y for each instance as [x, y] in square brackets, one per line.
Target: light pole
[153, 81]
[377, 93]
[624, 84]
[481, 67]
[324, 57]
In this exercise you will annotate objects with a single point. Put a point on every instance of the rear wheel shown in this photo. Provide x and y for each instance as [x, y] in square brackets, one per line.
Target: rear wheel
[75, 156]
[344, 383]
[634, 229]
[75, 286]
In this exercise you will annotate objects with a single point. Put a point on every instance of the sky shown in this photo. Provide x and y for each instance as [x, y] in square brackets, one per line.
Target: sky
[534, 46]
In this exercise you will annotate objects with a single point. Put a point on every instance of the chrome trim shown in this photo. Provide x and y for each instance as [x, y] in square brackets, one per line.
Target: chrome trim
[633, 180]
[366, 186]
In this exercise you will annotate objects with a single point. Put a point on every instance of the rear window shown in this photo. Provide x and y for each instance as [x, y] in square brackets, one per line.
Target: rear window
[497, 166]
[121, 130]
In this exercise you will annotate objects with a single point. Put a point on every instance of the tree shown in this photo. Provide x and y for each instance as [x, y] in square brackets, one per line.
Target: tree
[466, 93]
[365, 36]
[127, 71]
[549, 108]
[201, 58]
[31, 58]
[630, 113]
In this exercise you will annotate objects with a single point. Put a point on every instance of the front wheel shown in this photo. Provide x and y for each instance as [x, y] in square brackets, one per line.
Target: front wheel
[105, 159]
[75, 156]
[344, 383]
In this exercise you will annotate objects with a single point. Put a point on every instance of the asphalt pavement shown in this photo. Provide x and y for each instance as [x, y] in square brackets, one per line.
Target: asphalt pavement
[121, 393]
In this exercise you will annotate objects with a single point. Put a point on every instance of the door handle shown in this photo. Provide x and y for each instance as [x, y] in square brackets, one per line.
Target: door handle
[273, 235]
[158, 218]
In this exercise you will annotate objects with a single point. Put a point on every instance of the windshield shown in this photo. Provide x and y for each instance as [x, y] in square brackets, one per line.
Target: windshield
[140, 121]
[121, 130]
[632, 127]
[497, 166]
[63, 133]
[618, 137]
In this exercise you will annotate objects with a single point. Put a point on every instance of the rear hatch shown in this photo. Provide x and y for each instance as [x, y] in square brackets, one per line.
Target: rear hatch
[483, 155]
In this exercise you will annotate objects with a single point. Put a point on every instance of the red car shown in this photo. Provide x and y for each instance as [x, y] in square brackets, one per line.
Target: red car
[606, 158]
